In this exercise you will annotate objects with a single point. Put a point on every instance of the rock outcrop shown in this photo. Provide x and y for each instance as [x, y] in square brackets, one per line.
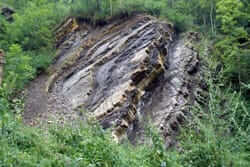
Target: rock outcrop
[120, 74]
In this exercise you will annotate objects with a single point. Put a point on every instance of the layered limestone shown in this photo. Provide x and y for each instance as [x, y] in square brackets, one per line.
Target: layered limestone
[120, 74]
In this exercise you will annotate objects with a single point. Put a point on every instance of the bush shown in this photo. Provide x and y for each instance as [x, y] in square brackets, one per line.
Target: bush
[28, 40]
[233, 44]
[32, 28]
[18, 69]
[41, 59]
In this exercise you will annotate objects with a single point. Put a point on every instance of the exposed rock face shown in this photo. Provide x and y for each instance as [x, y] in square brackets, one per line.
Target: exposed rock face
[119, 74]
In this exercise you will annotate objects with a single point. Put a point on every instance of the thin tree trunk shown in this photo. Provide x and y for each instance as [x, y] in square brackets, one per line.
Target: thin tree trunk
[170, 3]
[214, 14]
[211, 17]
[1, 66]
[204, 20]
[98, 5]
[111, 8]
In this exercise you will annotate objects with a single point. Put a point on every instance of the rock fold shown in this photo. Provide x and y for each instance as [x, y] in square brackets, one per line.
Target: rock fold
[119, 74]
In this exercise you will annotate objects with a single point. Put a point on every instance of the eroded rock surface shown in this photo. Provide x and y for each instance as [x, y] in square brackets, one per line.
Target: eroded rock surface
[120, 74]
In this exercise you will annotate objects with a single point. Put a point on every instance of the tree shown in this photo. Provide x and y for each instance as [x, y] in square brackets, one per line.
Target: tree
[18, 69]
[236, 60]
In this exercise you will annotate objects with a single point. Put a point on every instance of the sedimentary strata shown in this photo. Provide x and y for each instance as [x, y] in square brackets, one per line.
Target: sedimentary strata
[119, 74]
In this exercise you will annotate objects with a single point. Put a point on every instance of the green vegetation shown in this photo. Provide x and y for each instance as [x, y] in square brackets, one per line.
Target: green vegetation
[28, 40]
[88, 146]
[219, 132]
[233, 45]
[98, 11]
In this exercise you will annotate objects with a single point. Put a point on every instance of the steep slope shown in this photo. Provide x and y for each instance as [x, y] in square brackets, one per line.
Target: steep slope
[119, 74]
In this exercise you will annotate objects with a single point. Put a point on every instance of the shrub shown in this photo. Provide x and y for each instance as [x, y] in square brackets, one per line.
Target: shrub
[232, 46]
[18, 69]
[31, 29]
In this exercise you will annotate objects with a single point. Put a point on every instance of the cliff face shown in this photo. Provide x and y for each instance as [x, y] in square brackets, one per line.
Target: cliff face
[120, 74]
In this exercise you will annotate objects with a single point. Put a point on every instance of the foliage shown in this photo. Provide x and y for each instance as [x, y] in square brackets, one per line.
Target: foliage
[32, 27]
[18, 69]
[16, 4]
[71, 146]
[99, 11]
[28, 40]
[218, 133]
[219, 136]
[233, 43]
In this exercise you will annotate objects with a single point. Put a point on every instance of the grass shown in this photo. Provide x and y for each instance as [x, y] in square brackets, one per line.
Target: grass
[87, 146]
[218, 133]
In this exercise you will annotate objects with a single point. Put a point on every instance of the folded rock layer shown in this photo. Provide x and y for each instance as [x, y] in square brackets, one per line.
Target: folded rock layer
[120, 74]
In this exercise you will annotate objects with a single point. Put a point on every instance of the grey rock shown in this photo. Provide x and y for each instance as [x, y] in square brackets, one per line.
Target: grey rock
[120, 74]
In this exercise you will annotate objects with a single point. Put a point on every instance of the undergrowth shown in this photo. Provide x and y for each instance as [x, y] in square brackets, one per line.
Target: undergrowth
[218, 133]
[86, 146]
